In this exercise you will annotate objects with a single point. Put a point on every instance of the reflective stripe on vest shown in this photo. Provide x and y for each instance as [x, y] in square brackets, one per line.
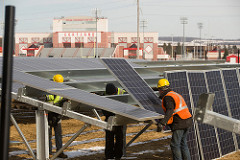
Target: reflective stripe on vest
[54, 99]
[180, 104]
[120, 91]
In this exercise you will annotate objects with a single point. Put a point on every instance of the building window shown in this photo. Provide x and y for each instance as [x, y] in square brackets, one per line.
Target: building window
[91, 39]
[134, 40]
[67, 45]
[79, 45]
[66, 39]
[23, 40]
[47, 40]
[35, 40]
[122, 39]
[148, 39]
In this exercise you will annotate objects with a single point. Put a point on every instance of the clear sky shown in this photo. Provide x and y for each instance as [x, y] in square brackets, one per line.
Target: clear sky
[220, 18]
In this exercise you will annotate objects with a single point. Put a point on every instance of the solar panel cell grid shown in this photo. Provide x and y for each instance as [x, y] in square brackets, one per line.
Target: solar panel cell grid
[208, 139]
[84, 97]
[233, 92]
[215, 85]
[178, 83]
[134, 84]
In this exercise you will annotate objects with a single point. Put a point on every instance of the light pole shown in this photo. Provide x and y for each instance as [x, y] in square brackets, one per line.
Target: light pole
[183, 22]
[96, 12]
[200, 26]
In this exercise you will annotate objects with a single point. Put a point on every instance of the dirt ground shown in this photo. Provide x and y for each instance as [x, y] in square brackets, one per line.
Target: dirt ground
[149, 150]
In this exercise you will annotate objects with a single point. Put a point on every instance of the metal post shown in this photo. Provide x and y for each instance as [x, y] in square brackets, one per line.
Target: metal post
[124, 140]
[70, 141]
[95, 12]
[143, 130]
[137, 29]
[143, 26]
[22, 136]
[7, 81]
[42, 135]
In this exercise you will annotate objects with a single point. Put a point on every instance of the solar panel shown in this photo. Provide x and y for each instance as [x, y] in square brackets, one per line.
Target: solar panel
[43, 64]
[215, 85]
[207, 136]
[233, 91]
[134, 84]
[27, 64]
[84, 97]
[179, 83]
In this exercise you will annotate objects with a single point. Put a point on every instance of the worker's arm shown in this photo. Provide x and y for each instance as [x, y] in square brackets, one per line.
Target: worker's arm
[170, 106]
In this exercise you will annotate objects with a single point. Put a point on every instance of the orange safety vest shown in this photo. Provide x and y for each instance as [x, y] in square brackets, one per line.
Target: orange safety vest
[180, 107]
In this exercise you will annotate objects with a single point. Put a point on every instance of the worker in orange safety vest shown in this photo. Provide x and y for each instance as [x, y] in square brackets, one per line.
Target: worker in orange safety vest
[178, 117]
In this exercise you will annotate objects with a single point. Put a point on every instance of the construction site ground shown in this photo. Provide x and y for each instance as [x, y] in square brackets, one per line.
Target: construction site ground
[151, 145]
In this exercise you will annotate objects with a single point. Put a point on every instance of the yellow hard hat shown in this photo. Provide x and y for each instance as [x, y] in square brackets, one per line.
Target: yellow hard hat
[162, 83]
[58, 78]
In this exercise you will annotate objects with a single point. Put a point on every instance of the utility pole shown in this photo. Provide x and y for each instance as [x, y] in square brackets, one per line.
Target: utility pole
[200, 26]
[183, 22]
[138, 29]
[143, 26]
[96, 12]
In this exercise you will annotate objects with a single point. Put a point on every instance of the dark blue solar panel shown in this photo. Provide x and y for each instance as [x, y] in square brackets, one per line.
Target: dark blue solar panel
[233, 92]
[215, 85]
[178, 83]
[208, 139]
[134, 84]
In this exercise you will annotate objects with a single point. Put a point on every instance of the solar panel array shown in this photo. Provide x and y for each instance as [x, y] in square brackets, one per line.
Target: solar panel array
[84, 97]
[212, 142]
[208, 140]
[179, 83]
[215, 85]
[231, 81]
[134, 84]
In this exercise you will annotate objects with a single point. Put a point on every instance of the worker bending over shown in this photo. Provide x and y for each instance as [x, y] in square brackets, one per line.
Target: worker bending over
[54, 119]
[113, 149]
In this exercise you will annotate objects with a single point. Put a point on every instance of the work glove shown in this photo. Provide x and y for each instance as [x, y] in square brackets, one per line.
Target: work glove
[42, 98]
[160, 126]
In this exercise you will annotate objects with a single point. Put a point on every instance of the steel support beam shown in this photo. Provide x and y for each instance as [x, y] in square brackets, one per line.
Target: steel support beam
[42, 135]
[203, 114]
[22, 136]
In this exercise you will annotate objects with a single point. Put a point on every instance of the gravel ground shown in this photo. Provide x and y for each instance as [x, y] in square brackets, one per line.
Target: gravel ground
[89, 145]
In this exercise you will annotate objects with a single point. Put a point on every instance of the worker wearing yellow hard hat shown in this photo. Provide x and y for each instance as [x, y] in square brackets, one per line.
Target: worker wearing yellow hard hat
[177, 116]
[162, 83]
[58, 78]
[54, 119]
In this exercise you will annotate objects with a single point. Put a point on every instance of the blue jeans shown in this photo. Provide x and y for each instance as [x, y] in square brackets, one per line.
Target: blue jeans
[179, 145]
[58, 136]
